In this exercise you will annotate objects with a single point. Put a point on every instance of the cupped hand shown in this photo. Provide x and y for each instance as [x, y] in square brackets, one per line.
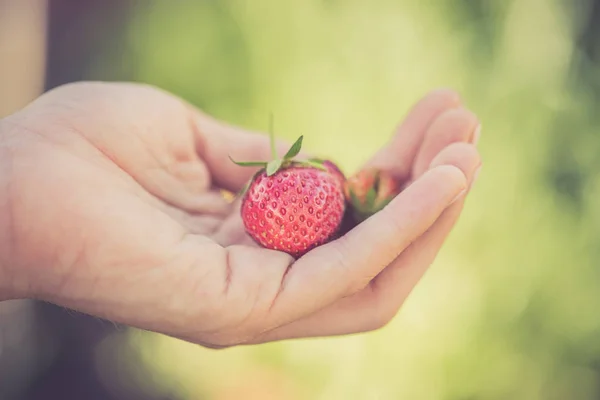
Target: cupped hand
[115, 208]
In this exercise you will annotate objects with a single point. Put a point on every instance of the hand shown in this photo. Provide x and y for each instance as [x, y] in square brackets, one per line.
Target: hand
[115, 209]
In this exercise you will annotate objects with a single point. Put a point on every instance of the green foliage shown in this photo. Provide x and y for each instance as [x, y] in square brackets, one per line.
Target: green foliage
[295, 149]
[508, 309]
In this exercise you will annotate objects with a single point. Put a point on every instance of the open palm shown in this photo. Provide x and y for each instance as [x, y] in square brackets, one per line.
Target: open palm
[117, 210]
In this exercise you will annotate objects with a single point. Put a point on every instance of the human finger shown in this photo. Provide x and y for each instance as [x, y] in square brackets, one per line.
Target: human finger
[348, 264]
[376, 304]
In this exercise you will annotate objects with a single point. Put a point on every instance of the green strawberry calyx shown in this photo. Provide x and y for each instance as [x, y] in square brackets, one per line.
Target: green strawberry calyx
[278, 163]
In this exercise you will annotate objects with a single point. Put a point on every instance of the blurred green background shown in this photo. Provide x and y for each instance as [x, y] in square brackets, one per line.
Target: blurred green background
[509, 308]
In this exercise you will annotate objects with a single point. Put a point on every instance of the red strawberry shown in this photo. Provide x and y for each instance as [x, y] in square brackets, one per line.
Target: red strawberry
[331, 167]
[369, 191]
[293, 206]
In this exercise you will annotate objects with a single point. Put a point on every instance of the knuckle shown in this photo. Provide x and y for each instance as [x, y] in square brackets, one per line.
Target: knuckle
[380, 319]
[358, 285]
[382, 312]
[220, 343]
[226, 339]
[381, 324]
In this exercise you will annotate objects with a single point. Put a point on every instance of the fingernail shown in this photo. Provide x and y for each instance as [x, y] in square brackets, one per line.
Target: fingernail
[459, 196]
[477, 134]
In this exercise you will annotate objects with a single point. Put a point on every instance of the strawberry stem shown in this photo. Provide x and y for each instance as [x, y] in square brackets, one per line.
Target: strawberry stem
[272, 137]
[276, 163]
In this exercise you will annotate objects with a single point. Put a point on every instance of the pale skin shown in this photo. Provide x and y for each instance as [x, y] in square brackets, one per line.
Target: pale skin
[111, 205]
